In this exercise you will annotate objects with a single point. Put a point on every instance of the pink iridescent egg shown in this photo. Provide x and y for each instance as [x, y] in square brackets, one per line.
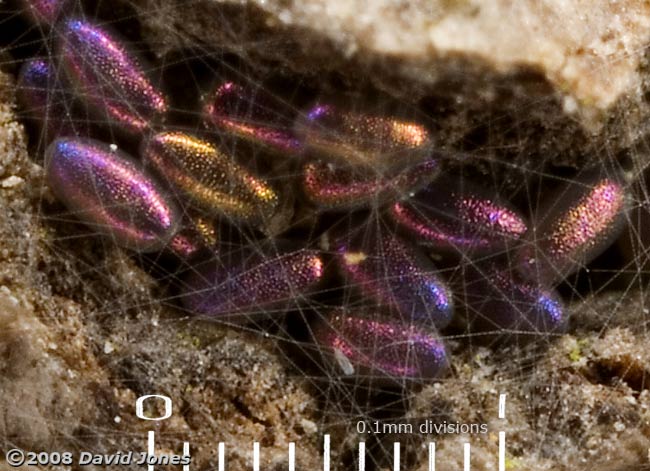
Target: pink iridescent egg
[386, 269]
[107, 190]
[364, 345]
[253, 115]
[457, 216]
[382, 144]
[575, 224]
[109, 77]
[333, 187]
[249, 284]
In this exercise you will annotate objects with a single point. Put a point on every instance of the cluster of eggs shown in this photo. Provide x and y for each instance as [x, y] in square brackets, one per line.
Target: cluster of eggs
[348, 160]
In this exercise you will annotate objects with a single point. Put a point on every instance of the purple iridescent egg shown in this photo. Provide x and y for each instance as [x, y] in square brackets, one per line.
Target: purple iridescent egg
[454, 215]
[500, 304]
[107, 190]
[249, 284]
[385, 268]
[364, 344]
[380, 143]
[44, 98]
[575, 224]
[109, 77]
[333, 187]
[253, 115]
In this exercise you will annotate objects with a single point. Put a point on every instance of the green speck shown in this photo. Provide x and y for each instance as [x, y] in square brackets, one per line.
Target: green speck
[189, 339]
[576, 353]
[512, 463]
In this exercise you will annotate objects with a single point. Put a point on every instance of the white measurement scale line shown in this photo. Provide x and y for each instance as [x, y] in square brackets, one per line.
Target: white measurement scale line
[222, 456]
[151, 447]
[326, 452]
[502, 435]
[502, 451]
[466, 457]
[256, 456]
[186, 452]
[292, 456]
[502, 406]
[362, 456]
[432, 456]
[396, 456]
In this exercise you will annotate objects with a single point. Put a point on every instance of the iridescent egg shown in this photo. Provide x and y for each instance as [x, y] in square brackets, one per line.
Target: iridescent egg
[333, 187]
[253, 115]
[209, 178]
[574, 224]
[500, 304]
[386, 269]
[364, 345]
[107, 190]
[454, 215]
[44, 99]
[382, 144]
[251, 283]
[108, 76]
